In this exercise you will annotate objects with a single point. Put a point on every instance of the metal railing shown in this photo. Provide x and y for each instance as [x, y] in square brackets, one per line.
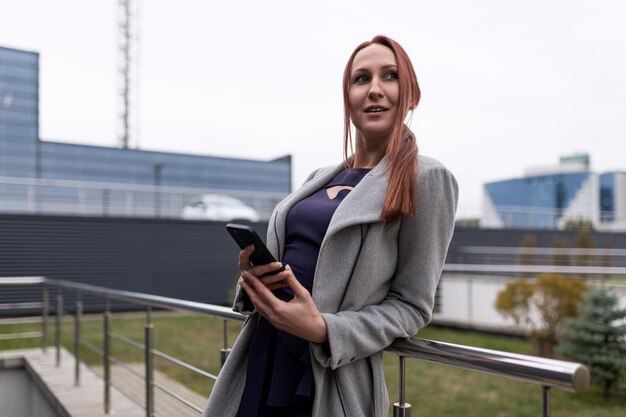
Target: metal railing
[565, 256]
[546, 373]
[534, 217]
[91, 198]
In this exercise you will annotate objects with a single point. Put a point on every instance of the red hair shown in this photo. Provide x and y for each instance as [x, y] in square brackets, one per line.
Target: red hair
[402, 147]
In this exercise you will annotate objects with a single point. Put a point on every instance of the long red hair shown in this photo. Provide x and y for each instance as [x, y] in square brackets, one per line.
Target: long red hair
[402, 147]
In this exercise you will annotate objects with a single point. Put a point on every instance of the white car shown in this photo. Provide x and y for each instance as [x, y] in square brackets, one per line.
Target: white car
[218, 207]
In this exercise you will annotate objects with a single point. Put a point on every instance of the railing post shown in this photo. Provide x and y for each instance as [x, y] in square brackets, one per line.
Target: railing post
[149, 340]
[77, 319]
[30, 199]
[106, 342]
[225, 351]
[470, 299]
[44, 318]
[82, 202]
[401, 408]
[129, 203]
[546, 401]
[57, 330]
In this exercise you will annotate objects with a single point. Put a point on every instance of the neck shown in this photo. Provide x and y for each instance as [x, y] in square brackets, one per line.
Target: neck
[368, 153]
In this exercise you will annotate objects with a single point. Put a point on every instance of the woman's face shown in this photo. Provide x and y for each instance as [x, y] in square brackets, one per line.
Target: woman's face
[374, 92]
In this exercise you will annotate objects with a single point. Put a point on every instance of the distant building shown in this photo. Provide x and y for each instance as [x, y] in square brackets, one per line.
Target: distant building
[549, 197]
[53, 177]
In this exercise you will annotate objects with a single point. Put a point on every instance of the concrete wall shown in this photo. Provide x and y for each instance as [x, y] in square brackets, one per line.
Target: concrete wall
[467, 300]
[20, 396]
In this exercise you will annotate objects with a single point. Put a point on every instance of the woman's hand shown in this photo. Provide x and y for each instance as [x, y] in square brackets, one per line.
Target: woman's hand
[273, 281]
[299, 316]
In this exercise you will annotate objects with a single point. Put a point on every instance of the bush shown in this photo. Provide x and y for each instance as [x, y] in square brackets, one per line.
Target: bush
[596, 340]
[541, 306]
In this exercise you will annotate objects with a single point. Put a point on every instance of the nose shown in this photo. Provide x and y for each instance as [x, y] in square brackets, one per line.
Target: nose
[375, 90]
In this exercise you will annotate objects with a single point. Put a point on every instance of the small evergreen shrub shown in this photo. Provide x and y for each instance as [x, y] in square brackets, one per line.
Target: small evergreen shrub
[597, 340]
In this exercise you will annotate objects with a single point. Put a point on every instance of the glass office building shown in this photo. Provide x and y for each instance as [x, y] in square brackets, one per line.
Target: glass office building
[547, 198]
[54, 177]
[19, 112]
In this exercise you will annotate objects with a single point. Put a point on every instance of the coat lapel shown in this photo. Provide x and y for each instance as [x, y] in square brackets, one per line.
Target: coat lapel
[363, 204]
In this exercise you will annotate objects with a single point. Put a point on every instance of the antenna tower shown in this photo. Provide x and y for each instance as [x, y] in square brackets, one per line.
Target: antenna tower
[128, 53]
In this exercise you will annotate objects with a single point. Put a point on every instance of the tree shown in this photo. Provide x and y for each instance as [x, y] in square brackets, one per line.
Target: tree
[541, 306]
[583, 241]
[561, 259]
[578, 224]
[595, 339]
[467, 222]
[529, 241]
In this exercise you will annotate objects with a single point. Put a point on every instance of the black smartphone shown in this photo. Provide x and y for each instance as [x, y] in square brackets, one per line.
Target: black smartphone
[246, 236]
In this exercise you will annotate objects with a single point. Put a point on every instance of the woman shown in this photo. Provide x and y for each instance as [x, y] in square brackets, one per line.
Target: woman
[363, 245]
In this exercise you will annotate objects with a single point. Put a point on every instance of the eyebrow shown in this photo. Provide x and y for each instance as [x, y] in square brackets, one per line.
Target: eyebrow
[384, 67]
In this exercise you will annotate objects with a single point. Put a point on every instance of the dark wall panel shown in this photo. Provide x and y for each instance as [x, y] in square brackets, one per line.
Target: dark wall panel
[174, 258]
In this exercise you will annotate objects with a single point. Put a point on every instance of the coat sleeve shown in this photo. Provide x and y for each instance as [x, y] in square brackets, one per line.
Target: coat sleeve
[422, 247]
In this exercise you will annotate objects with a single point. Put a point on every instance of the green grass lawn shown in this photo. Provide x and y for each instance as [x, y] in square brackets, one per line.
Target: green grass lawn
[433, 390]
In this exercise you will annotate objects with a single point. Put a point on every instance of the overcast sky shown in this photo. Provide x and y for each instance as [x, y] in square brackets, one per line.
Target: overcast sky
[505, 84]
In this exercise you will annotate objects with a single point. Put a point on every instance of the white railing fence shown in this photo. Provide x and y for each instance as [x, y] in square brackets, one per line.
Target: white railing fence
[85, 198]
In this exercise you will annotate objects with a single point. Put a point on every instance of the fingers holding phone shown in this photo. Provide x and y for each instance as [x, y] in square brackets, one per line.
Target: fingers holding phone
[276, 278]
[244, 258]
[272, 274]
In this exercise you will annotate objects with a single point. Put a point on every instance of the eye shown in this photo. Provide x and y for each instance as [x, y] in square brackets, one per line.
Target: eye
[360, 79]
[391, 75]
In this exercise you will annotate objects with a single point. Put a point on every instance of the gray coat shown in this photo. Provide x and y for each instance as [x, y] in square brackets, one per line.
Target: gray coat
[374, 282]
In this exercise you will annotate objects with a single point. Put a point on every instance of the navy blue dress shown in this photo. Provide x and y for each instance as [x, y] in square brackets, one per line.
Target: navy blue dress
[279, 377]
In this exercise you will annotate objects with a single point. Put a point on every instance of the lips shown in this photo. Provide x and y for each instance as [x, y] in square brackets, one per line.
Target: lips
[375, 109]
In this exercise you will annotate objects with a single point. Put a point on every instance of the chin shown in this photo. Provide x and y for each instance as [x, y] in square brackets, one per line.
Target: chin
[376, 133]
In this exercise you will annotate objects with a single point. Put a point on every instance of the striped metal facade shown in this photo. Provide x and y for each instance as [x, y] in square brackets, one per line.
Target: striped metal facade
[174, 258]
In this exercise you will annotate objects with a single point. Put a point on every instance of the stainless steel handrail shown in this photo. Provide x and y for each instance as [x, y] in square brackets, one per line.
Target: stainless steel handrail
[22, 280]
[531, 269]
[513, 250]
[149, 300]
[548, 373]
[567, 376]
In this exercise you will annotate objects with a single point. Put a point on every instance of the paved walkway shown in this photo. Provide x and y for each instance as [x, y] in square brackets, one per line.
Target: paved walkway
[87, 400]
[165, 405]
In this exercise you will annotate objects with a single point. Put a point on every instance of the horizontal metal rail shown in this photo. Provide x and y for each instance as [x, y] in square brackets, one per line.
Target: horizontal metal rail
[568, 376]
[92, 326]
[26, 195]
[127, 340]
[124, 366]
[19, 306]
[504, 250]
[22, 280]
[150, 300]
[21, 320]
[23, 335]
[535, 269]
[179, 398]
[92, 347]
[146, 188]
[184, 364]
